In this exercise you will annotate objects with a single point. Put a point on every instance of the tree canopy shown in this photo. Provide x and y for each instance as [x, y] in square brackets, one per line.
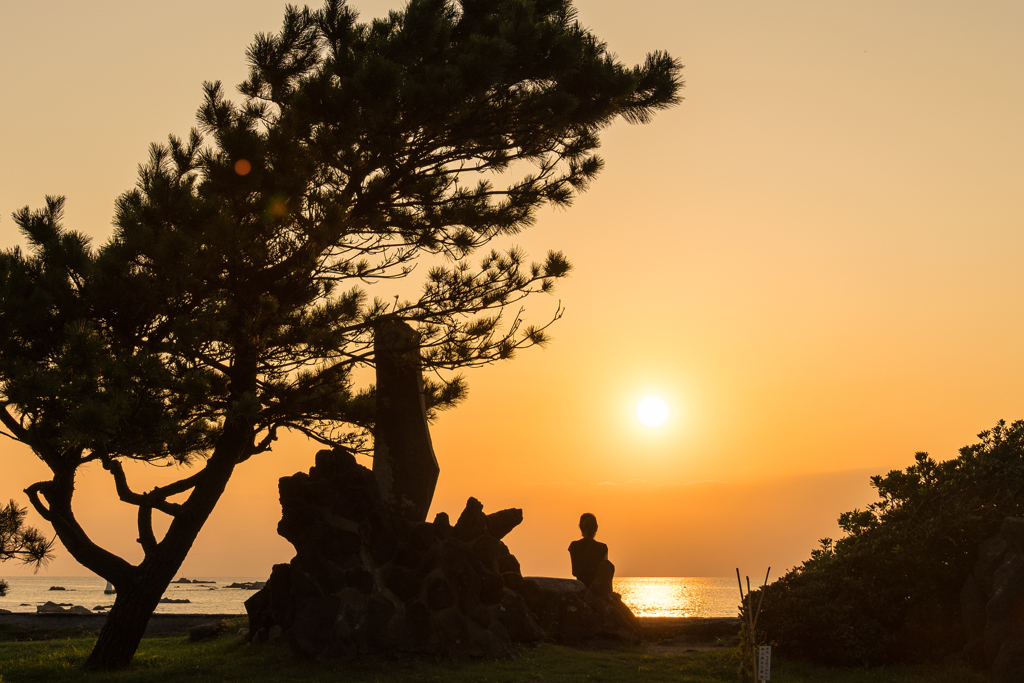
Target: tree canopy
[252, 262]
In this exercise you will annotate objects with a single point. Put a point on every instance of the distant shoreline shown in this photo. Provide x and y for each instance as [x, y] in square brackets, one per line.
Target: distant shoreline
[670, 597]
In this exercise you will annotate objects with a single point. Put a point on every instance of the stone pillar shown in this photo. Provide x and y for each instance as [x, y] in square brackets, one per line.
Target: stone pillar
[403, 457]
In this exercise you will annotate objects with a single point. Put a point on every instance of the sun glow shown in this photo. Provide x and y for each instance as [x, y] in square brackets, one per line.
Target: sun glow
[652, 411]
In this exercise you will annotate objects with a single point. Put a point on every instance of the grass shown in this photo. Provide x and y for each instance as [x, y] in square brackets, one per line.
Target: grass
[174, 660]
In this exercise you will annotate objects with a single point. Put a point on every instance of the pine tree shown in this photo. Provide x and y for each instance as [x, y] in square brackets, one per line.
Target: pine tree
[20, 542]
[234, 298]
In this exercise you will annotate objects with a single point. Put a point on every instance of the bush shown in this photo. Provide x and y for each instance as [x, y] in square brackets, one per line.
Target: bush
[889, 590]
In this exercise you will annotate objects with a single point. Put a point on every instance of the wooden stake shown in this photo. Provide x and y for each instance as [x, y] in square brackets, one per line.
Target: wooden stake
[760, 600]
[750, 624]
[752, 614]
[752, 618]
[745, 599]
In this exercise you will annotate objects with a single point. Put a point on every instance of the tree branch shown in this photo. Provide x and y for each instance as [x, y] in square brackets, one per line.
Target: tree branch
[156, 498]
[57, 511]
[18, 433]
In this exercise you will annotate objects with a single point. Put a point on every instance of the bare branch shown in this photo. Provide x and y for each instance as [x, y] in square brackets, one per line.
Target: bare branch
[157, 498]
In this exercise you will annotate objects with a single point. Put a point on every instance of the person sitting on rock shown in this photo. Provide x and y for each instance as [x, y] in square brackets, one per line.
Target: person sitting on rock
[590, 558]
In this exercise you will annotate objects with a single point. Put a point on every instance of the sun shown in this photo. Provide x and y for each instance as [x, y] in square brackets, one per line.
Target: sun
[652, 411]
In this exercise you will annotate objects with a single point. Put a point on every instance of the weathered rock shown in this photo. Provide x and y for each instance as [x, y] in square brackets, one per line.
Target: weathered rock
[208, 630]
[571, 614]
[312, 629]
[486, 549]
[512, 613]
[491, 587]
[472, 522]
[440, 594]
[403, 461]
[442, 525]
[507, 563]
[62, 608]
[367, 579]
[500, 523]
[49, 607]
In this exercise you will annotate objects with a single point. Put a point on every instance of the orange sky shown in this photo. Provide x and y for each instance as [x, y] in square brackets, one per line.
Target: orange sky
[814, 259]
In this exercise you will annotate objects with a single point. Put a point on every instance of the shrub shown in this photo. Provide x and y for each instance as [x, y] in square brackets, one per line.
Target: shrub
[888, 591]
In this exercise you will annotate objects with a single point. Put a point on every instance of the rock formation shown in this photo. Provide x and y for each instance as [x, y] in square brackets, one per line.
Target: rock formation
[992, 605]
[571, 614]
[366, 578]
[61, 608]
[403, 459]
[247, 585]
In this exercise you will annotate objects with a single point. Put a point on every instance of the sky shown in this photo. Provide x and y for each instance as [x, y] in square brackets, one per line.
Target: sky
[814, 260]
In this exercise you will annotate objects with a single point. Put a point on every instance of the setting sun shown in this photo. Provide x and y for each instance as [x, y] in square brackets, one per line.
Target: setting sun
[652, 411]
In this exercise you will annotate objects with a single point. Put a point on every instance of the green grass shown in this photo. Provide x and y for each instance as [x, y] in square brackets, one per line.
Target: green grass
[173, 660]
[11, 632]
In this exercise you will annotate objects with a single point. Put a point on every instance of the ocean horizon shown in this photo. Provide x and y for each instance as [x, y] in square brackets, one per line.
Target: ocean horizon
[649, 596]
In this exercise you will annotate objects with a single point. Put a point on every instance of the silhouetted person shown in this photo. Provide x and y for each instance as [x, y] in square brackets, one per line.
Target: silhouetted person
[590, 558]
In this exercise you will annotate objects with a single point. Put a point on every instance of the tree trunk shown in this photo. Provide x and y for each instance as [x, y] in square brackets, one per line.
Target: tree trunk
[127, 621]
[139, 596]
[140, 588]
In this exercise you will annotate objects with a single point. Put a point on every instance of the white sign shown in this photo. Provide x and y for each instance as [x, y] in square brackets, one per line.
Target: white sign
[764, 663]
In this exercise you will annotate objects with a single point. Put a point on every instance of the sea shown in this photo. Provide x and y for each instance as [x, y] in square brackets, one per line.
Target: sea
[679, 596]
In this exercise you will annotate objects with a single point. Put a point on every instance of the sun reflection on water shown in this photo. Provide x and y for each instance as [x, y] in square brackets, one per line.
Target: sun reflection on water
[679, 596]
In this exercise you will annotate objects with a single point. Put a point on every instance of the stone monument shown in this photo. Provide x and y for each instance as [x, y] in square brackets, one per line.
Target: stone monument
[403, 457]
[370, 575]
[366, 579]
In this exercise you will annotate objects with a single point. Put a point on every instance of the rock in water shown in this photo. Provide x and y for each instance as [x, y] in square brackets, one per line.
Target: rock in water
[248, 585]
[367, 579]
[50, 607]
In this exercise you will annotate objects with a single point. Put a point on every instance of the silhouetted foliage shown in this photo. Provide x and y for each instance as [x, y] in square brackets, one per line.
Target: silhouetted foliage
[20, 542]
[889, 590]
[234, 298]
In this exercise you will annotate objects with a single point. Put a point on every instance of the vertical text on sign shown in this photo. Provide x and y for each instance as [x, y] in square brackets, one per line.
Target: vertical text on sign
[764, 663]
